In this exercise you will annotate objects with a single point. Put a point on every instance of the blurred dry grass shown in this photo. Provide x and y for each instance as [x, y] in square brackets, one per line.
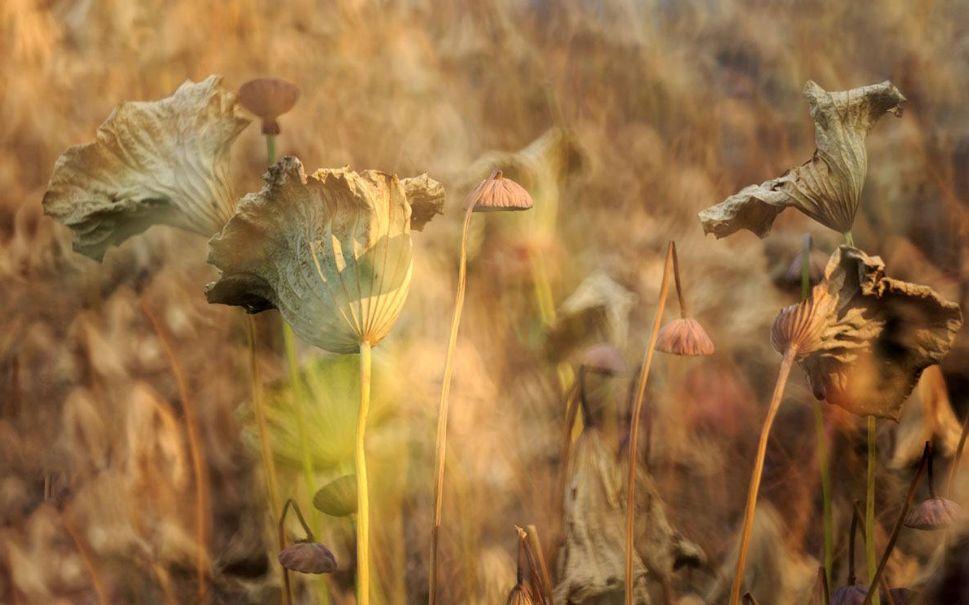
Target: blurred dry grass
[667, 107]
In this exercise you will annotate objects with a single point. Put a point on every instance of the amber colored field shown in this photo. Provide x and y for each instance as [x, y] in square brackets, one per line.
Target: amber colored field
[623, 118]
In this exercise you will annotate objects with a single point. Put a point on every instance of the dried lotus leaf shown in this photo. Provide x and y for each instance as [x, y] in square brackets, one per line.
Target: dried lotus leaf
[878, 335]
[160, 162]
[331, 251]
[827, 187]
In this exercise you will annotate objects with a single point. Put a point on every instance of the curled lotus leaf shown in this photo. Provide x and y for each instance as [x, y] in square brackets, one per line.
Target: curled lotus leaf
[827, 187]
[162, 162]
[331, 251]
[875, 335]
[426, 199]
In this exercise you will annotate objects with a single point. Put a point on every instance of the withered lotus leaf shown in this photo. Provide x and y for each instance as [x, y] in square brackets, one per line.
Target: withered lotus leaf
[592, 563]
[331, 251]
[152, 162]
[828, 186]
[866, 338]
[426, 199]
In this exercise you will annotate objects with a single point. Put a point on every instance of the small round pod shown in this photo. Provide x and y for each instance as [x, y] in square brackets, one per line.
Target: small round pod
[684, 336]
[497, 193]
[853, 594]
[308, 557]
[933, 513]
[268, 98]
[603, 359]
[338, 498]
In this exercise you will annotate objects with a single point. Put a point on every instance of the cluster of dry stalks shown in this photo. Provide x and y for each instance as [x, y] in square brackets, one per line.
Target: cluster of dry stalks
[155, 448]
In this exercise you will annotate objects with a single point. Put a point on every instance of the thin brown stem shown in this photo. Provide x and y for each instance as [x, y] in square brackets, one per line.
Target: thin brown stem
[265, 449]
[441, 440]
[684, 309]
[755, 477]
[87, 558]
[926, 454]
[635, 421]
[855, 516]
[958, 457]
[199, 469]
[823, 591]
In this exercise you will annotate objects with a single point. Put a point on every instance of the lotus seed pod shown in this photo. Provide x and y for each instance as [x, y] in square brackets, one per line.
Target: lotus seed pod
[338, 498]
[602, 359]
[308, 557]
[268, 98]
[934, 513]
[684, 336]
[850, 595]
[497, 193]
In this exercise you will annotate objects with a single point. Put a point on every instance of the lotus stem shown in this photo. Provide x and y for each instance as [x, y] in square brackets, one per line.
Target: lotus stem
[684, 309]
[824, 597]
[363, 495]
[775, 403]
[536, 546]
[872, 596]
[265, 449]
[954, 468]
[821, 432]
[441, 439]
[849, 239]
[635, 421]
[199, 469]
[271, 148]
[870, 556]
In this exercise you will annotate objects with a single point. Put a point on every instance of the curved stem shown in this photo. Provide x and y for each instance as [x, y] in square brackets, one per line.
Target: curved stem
[755, 476]
[199, 468]
[271, 148]
[870, 556]
[958, 457]
[363, 496]
[441, 439]
[635, 421]
[872, 596]
[684, 309]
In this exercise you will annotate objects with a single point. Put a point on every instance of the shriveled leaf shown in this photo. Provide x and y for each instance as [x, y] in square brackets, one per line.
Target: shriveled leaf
[592, 561]
[878, 335]
[598, 310]
[160, 162]
[828, 186]
[331, 251]
[426, 199]
[926, 416]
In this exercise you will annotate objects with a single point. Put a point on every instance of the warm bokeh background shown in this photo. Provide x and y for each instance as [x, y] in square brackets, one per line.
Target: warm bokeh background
[650, 110]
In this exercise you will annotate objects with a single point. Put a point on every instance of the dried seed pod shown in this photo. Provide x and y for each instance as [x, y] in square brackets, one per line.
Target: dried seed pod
[162, 162]
[802, 325]
[331, 251]
[602, 359]
[308, 557]
[933, 513]
[684, 336]
[850, 595]
[497, 193]
[828, 186]
[338, 498]
[268, 98]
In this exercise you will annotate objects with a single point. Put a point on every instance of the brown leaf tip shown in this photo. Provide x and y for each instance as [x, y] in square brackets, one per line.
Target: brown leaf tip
[268, 98]
[308, 557]
[685, 336]
[934, 513]
[497, 193]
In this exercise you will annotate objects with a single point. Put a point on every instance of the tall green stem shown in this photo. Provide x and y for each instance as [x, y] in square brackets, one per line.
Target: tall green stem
[271, 148]
[755, 476]
[664, 291]
[870, 556]
[441, 438]
[363, 499]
